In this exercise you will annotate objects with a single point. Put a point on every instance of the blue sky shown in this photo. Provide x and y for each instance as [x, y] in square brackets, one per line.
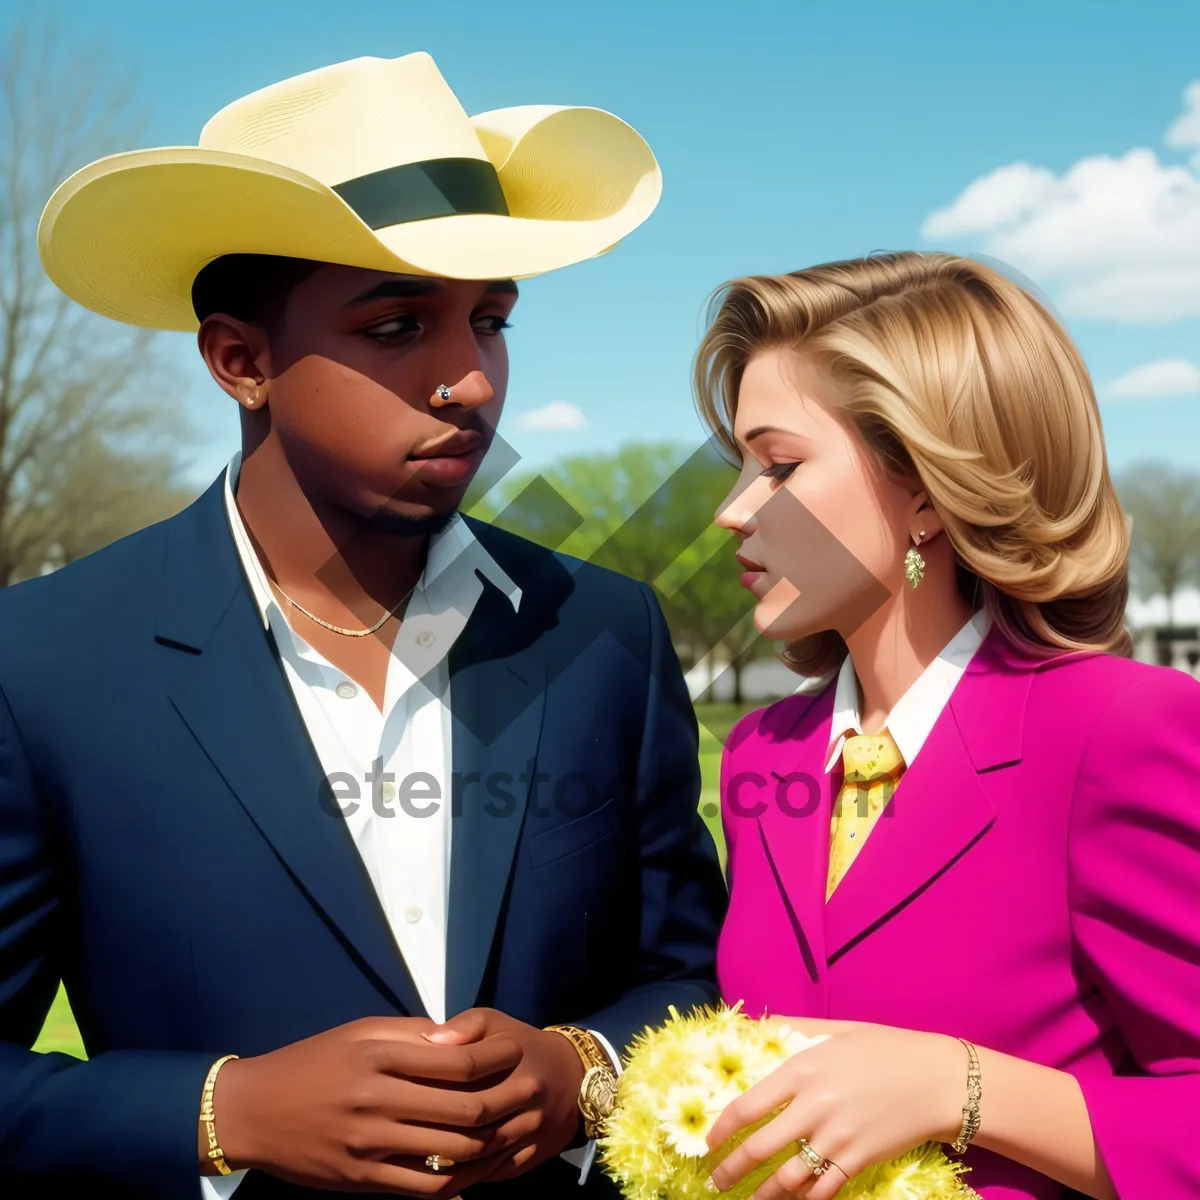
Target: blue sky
[789, 133]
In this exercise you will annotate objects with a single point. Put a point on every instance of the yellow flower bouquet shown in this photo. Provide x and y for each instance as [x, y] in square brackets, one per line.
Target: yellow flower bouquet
[678, 1080]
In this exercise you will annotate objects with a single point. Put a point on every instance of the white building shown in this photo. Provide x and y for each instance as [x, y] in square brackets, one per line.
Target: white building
[1173, 644]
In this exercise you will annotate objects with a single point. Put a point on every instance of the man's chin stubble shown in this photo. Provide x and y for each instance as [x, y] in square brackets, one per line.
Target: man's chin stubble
[399, 525]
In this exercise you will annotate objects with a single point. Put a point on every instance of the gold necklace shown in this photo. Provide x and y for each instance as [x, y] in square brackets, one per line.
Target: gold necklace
[337, 628]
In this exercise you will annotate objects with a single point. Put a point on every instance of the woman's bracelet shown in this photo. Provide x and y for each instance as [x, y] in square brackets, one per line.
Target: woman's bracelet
[208, 1117]
[970, 1125]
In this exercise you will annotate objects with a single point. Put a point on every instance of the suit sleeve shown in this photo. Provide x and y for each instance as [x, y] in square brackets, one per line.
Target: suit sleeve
[1134, 874]
[127, 1116]
[682, 889]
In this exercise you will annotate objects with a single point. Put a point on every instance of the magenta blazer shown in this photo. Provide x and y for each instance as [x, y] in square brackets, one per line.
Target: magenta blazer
[1033, 887]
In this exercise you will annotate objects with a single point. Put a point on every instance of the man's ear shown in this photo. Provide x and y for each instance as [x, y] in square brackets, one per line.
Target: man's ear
[237, 355]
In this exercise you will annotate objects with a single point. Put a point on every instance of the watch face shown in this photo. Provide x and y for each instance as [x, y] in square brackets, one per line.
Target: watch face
[600, 1089]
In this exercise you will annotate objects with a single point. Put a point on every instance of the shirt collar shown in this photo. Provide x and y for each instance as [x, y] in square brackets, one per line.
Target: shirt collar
[454, 555]
[917, 711]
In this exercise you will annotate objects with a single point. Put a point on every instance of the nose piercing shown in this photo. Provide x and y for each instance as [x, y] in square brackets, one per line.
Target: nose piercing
[442, 392]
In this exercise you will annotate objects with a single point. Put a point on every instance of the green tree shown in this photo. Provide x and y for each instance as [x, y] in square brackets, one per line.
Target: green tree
[88, 431]
[96, 497]
[1164, 502]
[591, 505]
[647, 511]
[711, 612]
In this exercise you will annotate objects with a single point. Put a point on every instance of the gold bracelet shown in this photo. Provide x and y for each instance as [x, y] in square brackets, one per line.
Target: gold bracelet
[586, 1046]
[970, 1125]
[598, 1091]
[208, 1117]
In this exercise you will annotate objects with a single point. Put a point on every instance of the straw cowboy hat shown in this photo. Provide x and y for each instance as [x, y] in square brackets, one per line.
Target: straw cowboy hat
[369, 163]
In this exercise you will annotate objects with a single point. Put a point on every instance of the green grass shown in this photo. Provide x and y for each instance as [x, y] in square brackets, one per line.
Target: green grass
[716, 720]
[60, 1033]
[710, 782]
[719, 718]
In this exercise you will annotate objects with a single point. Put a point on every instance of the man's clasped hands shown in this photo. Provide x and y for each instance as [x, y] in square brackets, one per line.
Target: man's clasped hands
[363, 1107]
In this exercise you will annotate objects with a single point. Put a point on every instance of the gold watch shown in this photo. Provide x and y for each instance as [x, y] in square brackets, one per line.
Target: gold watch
[598, 1092]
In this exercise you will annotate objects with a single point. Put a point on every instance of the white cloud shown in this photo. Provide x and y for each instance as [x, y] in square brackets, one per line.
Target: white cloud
[1117, 238]
[1185, 130]
[553, 417]
[1006, 195]
[1166, 377]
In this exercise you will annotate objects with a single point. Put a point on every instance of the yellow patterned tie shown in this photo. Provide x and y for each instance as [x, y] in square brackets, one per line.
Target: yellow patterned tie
[873, 766]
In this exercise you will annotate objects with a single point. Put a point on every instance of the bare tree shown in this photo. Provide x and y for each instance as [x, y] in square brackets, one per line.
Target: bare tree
[83, 400]
[1164, 502]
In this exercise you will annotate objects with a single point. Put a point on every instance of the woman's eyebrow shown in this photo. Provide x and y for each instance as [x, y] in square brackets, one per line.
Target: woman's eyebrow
[759, 430]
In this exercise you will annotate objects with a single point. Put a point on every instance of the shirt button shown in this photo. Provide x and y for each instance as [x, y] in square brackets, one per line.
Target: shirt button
[346, 690]
[425, 638]
[388, 791]
[413, 913]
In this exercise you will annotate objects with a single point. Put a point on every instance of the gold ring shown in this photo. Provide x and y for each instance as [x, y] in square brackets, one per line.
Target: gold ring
[434, 1162]
[819, 1165]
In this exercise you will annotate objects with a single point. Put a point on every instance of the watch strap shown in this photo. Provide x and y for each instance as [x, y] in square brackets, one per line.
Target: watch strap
[586, 1044]
[597, 1093]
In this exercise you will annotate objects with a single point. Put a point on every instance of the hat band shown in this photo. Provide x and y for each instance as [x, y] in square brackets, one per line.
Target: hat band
[437, 187]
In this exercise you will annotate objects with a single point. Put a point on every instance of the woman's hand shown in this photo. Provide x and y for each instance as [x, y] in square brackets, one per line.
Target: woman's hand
[867, 1094]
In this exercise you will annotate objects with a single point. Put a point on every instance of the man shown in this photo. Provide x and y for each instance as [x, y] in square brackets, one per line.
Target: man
[397, 809]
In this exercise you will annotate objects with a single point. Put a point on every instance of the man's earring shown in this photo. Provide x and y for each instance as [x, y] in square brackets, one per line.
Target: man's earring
[914, 564]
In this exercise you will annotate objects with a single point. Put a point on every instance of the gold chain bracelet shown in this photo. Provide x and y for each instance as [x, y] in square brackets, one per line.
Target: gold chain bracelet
[970, 1125]
[208, 1117]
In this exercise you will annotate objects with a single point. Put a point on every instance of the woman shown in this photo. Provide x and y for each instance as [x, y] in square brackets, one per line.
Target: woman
[1006, 952]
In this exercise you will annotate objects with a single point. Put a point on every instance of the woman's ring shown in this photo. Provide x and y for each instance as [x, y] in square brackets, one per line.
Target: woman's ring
[819, 1165]
[434, 1162]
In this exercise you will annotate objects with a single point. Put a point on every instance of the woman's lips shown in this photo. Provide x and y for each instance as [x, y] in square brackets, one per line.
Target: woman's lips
[753, 574]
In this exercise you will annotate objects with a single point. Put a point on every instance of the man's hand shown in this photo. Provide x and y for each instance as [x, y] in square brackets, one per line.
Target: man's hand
[552, 1074]
[360, 1107]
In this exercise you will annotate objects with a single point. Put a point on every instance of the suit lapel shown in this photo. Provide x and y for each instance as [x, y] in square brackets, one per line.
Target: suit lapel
[794, 831]
[233, 696]
[498, 684]
[942, 806]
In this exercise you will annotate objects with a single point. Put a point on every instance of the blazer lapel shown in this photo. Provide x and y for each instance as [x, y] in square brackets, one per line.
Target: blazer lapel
[498, 680]
[941, 808]
[232, 694]
[794, 831]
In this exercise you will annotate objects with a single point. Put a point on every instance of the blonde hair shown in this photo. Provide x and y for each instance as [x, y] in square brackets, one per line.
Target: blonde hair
[957, 376]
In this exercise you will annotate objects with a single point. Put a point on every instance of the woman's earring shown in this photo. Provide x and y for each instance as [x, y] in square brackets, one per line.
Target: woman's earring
[914, 564]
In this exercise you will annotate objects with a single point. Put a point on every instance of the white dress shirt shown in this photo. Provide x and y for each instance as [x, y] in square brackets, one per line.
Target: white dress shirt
[917, 711]
[407, 854]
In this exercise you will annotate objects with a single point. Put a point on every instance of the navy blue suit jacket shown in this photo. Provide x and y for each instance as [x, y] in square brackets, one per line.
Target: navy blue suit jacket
[169, 848]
